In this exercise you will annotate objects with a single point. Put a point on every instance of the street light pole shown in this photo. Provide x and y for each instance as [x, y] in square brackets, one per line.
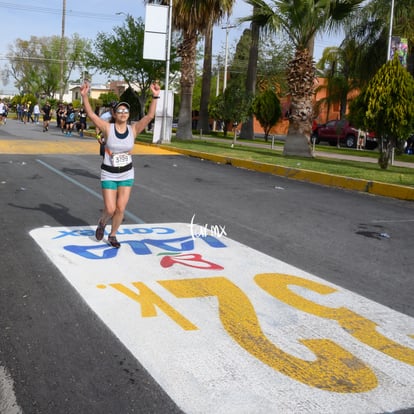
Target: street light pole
[390, 34]
[167, 73]
[217, 87]
[62, 50]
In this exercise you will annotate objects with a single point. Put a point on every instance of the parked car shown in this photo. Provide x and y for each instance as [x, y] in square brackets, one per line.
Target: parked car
[348, 135]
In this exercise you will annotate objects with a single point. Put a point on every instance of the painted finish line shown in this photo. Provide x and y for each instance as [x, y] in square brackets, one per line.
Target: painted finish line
[226, 329]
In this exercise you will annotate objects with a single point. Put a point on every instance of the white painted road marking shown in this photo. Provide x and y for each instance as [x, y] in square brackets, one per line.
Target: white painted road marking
[226, 329]
[8, 403]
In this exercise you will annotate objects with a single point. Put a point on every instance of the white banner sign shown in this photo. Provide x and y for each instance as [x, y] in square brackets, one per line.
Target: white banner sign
[156, 31]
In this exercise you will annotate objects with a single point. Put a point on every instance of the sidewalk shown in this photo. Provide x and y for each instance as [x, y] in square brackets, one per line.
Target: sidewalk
[319, 152]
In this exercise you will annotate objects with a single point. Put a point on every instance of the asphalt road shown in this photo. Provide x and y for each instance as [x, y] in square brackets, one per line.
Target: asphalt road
[63, 359]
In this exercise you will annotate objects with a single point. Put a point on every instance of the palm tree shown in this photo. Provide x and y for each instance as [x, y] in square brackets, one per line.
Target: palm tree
[367, 28]
[192, 17]
[326, 68]
[337, 67]
[301, 20]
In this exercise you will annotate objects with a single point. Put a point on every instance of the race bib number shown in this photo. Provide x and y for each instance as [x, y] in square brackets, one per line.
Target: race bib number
[121, 159]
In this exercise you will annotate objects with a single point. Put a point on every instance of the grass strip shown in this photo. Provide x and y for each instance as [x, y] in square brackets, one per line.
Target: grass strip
[346, 168]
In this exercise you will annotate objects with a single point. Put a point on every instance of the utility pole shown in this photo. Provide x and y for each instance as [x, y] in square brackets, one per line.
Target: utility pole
[62, 51]
[217, 87]
[227, 27]
[218, 77]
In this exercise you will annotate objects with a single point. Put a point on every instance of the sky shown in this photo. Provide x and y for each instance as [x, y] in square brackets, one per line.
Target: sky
[27, 18]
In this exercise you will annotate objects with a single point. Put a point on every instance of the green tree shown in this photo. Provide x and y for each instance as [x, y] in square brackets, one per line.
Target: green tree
[107, 98]
[267, 109]
[386, 106]
[191, 18]
[51, 69]
[231, 107]
[121, 54]
[247, 131]
[275, 54]
[239, 61]
[337, 67]
[235, 94]
[370, 29]
[327, 69]
[301, 20]
[35, 64]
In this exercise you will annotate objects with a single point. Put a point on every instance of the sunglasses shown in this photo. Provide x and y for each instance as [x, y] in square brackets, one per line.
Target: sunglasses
[122, 111]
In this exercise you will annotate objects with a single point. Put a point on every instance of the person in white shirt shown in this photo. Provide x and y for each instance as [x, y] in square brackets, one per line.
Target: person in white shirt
[2, 111]
[36, 113]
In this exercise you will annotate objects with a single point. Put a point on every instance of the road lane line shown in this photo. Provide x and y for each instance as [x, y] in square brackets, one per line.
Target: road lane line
[87, 189]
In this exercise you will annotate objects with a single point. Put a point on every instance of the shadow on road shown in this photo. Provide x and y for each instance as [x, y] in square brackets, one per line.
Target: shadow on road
[57, 211]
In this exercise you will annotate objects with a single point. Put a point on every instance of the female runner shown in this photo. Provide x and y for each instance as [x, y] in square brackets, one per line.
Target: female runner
[117, 171]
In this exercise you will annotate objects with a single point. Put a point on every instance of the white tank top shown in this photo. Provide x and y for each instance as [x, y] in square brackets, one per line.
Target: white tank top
[117, 143]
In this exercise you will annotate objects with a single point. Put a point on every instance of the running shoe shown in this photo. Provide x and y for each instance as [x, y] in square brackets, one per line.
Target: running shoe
[100, 230]
[114, 242]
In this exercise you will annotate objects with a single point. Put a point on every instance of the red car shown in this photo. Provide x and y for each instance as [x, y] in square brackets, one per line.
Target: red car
[342, 130]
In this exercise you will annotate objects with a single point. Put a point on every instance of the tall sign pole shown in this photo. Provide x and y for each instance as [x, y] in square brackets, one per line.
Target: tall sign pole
[167, 74]
[390, 33]
[62, 51]
[157, 46]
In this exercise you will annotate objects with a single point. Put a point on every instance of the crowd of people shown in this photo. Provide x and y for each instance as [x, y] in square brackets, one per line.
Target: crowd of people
[68, 118]
[28, 112]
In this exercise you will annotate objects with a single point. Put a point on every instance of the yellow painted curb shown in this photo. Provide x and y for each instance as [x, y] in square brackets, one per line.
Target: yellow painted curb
[355, 184]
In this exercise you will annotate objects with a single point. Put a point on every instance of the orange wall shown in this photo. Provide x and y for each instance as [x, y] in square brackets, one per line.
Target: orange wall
[282, 126]
[323, 115]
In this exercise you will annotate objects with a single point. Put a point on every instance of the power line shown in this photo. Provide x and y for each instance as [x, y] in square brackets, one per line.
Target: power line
[33, 58]
[48, 10]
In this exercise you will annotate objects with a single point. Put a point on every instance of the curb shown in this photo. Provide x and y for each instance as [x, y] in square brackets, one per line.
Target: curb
[365, 186]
